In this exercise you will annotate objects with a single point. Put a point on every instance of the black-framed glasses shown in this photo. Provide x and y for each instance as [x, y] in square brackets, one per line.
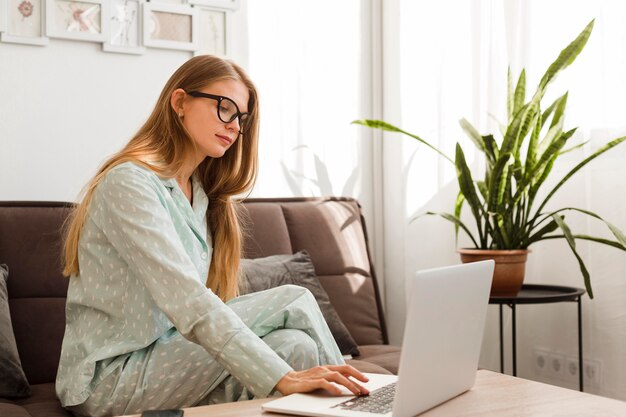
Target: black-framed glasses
[227, 109]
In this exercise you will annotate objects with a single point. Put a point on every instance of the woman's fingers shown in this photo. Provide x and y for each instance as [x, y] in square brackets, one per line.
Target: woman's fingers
[324, 377]
[340, 379]
[348, 371]
[323, 384]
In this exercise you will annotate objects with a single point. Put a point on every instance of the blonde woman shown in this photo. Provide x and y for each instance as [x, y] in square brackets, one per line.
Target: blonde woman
[153, 320]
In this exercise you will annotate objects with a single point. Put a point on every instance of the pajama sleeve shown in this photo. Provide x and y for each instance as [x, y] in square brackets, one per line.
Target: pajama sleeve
[130, 210]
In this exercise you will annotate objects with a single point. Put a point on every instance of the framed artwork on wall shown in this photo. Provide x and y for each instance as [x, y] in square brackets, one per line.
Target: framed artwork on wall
[3, 15]
[84, 20]
[125, 27]
[212, 33]
[170, 26]
[220, 4]
[24, 22]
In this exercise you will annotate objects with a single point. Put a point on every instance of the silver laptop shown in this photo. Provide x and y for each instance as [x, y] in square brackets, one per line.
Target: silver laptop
[442, 338]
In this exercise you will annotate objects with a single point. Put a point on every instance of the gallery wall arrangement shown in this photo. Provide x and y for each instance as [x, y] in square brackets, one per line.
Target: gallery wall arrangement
[121, 26]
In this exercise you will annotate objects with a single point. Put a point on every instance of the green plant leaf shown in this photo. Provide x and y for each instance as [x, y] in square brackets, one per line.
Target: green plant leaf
[491, 148]
[520, 92]
[607, 242]
[498, 181]
[552, 151]
[482, 188]
[574, 170]
[559, 111]
[538, 182]
[473, 134]
[580, 145]
[619, 235]
[566, 57]
[452, 219]
[466, 185]
[458, 206]
[546, 114]
[572, 244]
[540, 234]
[531, 153]
[509, 95]
[556, 126]
[379, 124]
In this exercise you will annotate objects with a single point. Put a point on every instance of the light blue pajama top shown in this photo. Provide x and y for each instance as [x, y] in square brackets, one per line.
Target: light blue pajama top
[144, 256]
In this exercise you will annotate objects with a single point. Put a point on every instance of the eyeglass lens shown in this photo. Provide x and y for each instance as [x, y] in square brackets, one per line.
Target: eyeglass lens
[227, 111]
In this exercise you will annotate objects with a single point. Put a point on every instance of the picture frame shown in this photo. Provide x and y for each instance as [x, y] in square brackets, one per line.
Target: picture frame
[170, 26]
[219, 4]
[213, 29]
[24, 22]
[125, 27]
[83, 20]
[3, 15]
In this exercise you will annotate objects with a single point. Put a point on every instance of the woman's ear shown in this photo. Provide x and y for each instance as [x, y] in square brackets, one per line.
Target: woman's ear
[177, 101]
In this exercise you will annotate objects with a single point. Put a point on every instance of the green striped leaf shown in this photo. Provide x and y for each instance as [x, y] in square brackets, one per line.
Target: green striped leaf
[379, 124]
[572, 244]
[619, 235]
[567, 56]
[607, 242]
[466, 185]
[498, 181]
[457, 222]
[520, 92]
[473, 134]
[458, 206]
[574, 170]
[509, 95]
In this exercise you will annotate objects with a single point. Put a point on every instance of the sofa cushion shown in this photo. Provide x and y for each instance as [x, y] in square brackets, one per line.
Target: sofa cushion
[273, 271]
[42, 403]
[369, 367]
[13, 382]
[332, 230]
[266, 231]
[385, 356]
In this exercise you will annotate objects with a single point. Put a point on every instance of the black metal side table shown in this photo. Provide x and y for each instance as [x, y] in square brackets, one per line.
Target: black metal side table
[539, 294]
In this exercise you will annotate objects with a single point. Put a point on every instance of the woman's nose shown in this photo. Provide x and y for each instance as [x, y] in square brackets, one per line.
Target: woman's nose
[234, 125]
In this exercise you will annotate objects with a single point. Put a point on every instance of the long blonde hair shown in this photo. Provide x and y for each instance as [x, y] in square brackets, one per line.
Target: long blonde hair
[163, 136]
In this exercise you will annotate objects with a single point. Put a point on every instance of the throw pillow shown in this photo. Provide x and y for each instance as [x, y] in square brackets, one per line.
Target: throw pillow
[13, 382]
[264, 273]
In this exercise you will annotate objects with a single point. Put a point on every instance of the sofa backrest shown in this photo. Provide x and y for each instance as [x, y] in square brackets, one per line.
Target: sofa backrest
[30, 244]
[332, 230]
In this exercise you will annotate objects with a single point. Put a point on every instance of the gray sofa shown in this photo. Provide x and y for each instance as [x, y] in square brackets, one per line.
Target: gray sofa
[332, 230]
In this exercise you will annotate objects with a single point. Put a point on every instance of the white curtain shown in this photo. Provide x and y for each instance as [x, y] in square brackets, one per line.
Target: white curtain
[306, 59]
[452, 62]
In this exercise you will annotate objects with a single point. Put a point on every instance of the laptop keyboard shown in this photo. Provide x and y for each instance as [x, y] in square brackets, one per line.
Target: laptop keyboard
[379, 401]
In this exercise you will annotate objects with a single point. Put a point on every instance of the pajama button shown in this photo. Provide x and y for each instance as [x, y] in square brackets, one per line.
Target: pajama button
[203, 256]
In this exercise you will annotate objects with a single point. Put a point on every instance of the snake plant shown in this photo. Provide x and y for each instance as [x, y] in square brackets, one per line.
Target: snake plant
[505, 203]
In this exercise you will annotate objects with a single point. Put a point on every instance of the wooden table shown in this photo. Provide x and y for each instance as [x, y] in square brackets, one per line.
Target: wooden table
[493, 395]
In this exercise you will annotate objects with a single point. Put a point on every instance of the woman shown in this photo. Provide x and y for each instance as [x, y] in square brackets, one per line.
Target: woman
[153, 319]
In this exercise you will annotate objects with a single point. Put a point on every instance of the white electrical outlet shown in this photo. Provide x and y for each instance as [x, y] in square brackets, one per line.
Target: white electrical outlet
[591, 372]
[540, 360]
[571, 368]
[556, 365]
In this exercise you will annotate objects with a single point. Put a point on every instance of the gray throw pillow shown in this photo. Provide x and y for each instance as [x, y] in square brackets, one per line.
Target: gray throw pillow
[13, 382]
[297, 269]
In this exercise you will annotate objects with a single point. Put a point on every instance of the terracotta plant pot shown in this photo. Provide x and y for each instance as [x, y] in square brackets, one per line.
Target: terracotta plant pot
[508, 275]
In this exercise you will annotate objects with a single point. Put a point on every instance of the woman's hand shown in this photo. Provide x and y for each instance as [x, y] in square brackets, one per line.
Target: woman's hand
[322, 377]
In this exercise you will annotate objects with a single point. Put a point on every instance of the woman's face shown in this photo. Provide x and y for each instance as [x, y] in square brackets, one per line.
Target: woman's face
[200, 117]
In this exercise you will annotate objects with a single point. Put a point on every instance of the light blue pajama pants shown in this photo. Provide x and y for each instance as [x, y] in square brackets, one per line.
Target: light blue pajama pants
[175, 373]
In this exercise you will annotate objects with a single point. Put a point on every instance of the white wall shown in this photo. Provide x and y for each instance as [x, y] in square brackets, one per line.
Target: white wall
[65, 107]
